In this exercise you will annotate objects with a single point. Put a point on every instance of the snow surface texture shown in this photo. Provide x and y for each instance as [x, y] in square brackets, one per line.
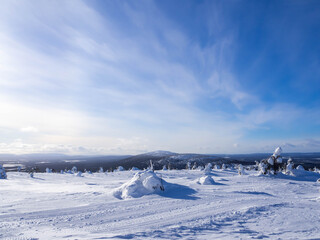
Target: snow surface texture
[64, 206]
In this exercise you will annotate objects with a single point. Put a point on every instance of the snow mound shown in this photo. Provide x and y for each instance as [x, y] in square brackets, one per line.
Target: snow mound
[142, 183]
[206, 180]
[304, 175]
[300, 168]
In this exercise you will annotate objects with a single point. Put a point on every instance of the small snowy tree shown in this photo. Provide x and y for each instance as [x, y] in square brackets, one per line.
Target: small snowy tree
[224, 167]
[119, 169]
[164, 168]
[195, 166]
[74, 169]
[207, 169]
[101, 170]
[188, 167]
[289, 166]
[151, 166]
[3, 174]
[240, 169]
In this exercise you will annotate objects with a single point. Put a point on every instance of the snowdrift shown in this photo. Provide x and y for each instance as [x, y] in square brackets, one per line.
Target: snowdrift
[206, 180]
[304, 175]
[142, 183]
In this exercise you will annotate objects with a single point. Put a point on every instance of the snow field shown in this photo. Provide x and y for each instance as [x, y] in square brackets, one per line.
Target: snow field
[64, 206]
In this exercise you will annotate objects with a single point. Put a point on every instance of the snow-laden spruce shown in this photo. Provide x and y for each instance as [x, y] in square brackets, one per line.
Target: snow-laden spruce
[207, 169]
[3, 174]
[142, 183]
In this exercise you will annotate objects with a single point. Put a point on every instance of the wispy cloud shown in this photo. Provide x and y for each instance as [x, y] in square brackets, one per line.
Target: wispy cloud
[122, 77]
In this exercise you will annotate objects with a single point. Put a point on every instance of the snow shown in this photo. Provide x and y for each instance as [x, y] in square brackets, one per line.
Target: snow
[277, 152]
[160, 153]
[206, 180]
[3, 174]
[301, 168]
[250, 206]
[143, 183]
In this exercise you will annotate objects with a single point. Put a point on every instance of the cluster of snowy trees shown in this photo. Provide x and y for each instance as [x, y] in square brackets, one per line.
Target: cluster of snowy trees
[3, 174]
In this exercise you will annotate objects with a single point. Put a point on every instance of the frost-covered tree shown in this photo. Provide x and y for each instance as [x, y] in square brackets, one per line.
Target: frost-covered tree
[151, 166]
[3, 174]
[290, 166]
[120, 168]
[195, 166]
[188, 167]
[224, 167]
[48, 170]
[273, 164]
[240, 169]
[74, 169]
[101, 170]
[164, 168]
[207, 169]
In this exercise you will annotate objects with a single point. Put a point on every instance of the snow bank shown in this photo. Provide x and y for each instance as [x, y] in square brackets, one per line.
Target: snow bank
[142, 183]
[301, 168]
[303, 175]
[206, 180]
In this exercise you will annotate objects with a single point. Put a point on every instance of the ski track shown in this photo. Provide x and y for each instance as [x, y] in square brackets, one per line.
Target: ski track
[237, 207]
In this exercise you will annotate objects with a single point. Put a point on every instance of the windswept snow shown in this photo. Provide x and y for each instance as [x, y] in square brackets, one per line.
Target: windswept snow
[250, 206]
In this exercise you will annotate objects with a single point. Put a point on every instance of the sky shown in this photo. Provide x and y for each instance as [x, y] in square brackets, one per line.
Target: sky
[127, 77]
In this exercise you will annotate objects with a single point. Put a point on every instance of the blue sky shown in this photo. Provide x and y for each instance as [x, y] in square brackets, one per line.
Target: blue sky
[125, 77]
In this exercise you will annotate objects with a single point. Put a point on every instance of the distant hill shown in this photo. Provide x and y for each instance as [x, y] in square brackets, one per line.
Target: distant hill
[159, 158]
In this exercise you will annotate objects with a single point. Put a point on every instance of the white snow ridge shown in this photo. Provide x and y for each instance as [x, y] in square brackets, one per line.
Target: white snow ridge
[143, 183]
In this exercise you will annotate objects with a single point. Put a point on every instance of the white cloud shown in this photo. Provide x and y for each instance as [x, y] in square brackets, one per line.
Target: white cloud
[29, 129]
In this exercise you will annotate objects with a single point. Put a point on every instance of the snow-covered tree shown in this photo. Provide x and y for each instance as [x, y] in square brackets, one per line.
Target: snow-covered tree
[48, 170]
[151, 166]
[74, 169]
[3, 174]
[120, 168]
[240, 169]
[195, 166]
[164, 168]
[273, 164]
[101, 170]
[207, 169]
[224, 166]
[188, 167]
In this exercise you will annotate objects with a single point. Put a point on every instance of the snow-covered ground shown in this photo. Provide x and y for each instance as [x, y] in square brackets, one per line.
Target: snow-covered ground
[66, 206]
